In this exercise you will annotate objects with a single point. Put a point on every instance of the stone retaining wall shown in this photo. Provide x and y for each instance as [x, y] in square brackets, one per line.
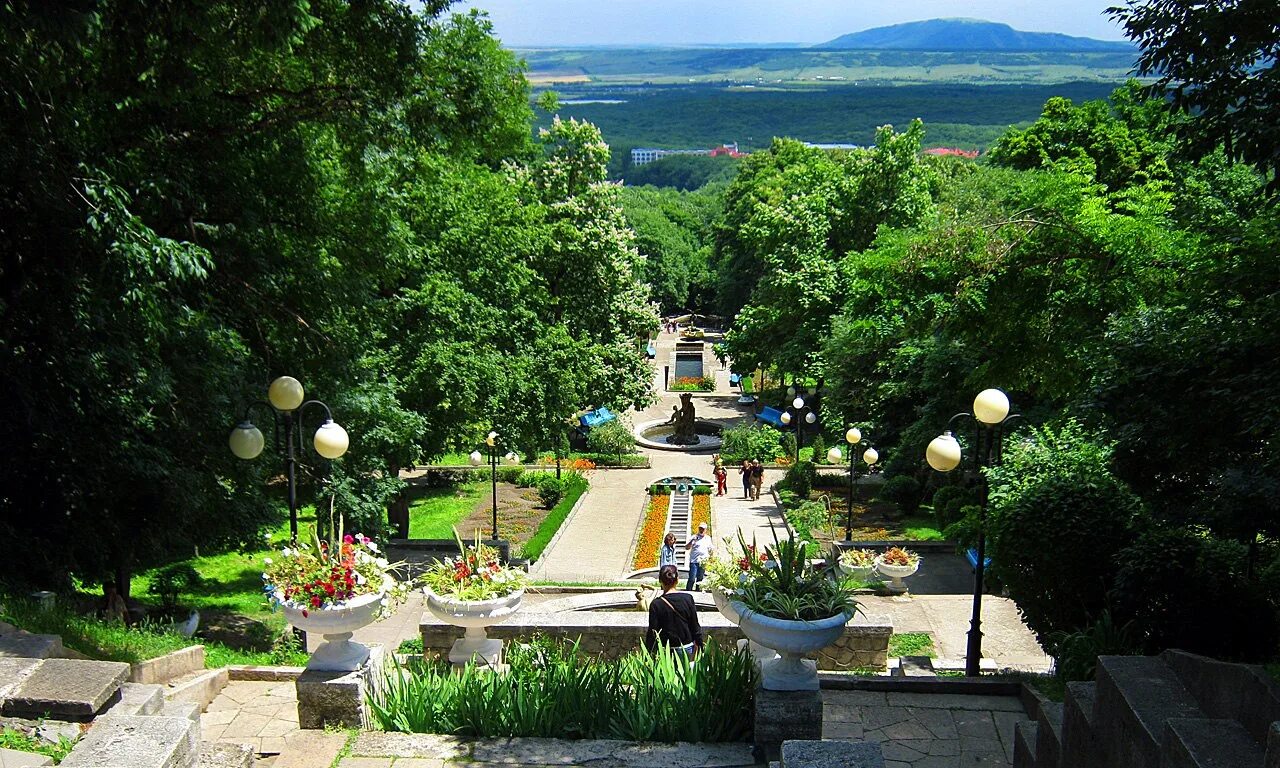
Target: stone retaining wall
[611, 634]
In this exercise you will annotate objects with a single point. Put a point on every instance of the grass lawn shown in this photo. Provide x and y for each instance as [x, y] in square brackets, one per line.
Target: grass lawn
[911, 644]
[436, 511]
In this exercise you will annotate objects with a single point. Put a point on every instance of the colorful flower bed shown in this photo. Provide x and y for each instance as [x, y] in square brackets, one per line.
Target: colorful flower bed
[702, 510]
[693, 384]
[651, 533]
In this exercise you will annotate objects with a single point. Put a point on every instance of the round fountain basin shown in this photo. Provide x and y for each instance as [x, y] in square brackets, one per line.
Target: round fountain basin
[654, 435]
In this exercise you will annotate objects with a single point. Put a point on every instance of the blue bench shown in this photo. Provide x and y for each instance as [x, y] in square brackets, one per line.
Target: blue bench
[592, 419]
[771, 415]
[972, 556]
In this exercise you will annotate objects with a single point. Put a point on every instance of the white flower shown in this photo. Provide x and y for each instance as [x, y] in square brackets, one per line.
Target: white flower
[382, 562]
[360, 578]
[266, 560]
[371, 546]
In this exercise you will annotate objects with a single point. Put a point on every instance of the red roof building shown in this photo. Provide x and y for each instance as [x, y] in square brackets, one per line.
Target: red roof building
[951, 152]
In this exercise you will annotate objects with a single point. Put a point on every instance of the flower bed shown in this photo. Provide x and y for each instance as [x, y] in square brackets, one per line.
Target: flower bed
[701, 510]
[693, 384]
[652, 531]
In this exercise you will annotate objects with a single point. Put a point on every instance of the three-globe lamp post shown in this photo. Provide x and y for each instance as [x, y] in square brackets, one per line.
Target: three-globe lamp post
[852, 436]
[477, 458]
[286, 401]
[801, 414]
[991, 417]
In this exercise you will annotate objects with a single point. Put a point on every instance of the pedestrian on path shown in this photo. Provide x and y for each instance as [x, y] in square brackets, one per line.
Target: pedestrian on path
[746, 478]
[722, 479]
[757, 479]
[699, 550]
[667, 552]
[673, 617]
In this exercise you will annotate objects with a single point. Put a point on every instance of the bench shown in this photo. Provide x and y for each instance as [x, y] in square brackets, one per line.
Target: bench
[770, 415]
[592, 419]
[972, 556]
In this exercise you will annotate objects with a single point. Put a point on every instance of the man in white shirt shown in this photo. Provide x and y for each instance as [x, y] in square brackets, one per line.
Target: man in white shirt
[700, 549]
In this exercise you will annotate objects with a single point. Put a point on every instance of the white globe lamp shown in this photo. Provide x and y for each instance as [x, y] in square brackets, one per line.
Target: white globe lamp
[331, 440]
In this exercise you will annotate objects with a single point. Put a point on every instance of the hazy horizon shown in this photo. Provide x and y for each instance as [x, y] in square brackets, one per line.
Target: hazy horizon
[552, 23]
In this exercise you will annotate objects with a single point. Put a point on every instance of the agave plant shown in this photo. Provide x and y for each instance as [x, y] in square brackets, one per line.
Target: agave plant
[790, 587]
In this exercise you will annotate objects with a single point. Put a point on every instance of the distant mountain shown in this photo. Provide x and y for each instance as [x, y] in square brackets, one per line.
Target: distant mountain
[967, 35]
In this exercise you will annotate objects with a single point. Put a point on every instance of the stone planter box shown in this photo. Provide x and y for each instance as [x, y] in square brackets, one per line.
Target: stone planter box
[170, 666]
[612, 634]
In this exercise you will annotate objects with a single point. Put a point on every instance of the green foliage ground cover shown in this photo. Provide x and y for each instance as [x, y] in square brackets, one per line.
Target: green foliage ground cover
[437, 511]
[534, 547]
[911, 644]
[553, 689]
[11, 738]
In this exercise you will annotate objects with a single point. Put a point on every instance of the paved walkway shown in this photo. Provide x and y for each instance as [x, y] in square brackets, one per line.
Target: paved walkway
[261, 714]
[918, 730]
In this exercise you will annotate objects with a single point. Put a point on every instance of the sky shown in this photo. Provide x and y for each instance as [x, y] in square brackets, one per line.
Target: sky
[527, 23]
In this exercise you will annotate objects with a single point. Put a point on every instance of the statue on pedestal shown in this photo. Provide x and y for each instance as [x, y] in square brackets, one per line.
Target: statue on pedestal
[683, 417]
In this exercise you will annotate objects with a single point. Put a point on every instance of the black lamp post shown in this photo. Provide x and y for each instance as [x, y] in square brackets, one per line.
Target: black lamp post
[286, 402]
[801, 414]
[491, 442]
[853, 436]
[991, 416]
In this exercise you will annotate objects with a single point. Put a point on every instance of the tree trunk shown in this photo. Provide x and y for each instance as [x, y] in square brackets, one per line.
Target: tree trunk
[124, 575]
[398, 512]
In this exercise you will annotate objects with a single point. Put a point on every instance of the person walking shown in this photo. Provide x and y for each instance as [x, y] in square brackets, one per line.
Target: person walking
[722, 479]
[667, 552]
[699, 547]
[757, 478]
[746, 478]
[673, 617]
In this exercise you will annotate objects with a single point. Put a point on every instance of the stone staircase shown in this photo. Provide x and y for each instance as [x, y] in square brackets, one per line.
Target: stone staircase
[680, 522]
[1175, 710]
[123, 723]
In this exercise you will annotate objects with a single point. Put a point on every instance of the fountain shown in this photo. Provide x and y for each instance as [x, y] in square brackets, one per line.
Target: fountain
[682, 432]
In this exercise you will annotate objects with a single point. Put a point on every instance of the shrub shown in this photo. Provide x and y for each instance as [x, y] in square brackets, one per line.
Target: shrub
[1076, 653]
[1182, 588]
[949, 501]
[819, 446]
[169, 582]
[611, 439]
[411, 645]
[510, 475]
[751, 441]
[903, 490]
[693, 384]
[787, 441]
[1058, 518]
[551, 490]
[800, 479]
[808, 516]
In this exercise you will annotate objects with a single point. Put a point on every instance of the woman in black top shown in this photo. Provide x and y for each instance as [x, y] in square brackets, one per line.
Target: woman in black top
[673, 616]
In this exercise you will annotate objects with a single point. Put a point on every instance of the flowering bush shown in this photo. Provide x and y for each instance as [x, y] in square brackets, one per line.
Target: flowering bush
[726, 567]
[693, 384]
[857, 558]
[651, 533]
[899, 556]
[319, 574]
[475, 574]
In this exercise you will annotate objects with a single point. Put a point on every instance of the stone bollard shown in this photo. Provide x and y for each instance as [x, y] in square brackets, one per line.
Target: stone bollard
[335, 698]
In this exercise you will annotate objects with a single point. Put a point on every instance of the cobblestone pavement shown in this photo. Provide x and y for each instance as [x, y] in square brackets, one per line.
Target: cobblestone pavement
[918, 730]
[405, 750]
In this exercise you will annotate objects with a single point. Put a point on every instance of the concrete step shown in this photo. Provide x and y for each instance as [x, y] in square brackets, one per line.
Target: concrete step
[187, 709]
[830, 753]
[1049, 735]
[17, 643]
[137, 741]
[1077, 723]
[12, 758]
[66, 689]
[1207, 743]
[915, 666]
[1229, 691]
[223, 755]
[138, 699]
[200, 688]
[1024, 744]
[1135, 696]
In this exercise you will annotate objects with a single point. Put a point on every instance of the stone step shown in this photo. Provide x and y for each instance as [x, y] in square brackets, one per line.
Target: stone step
[1135, 696]
[223, 755]
[828, 753]
[67, 689]
[1207, 743]
[25, 645]
[137, 741]
[1049, 735]
[1229, 691]
[1024, 744]
[138, 699]
[200, 688]
[187, 709]
[1077, 723]
[12, 758]
[915, 666]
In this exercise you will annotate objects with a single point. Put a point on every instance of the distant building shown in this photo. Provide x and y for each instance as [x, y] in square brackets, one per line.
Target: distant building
[831, 146]
[951, 152]
[646, 155]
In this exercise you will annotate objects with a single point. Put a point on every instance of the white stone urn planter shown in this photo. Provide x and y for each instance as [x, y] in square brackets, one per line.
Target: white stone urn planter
[724, 604]
[336, 623]
[859, 572]
[896, 573]
[792, 640]
[474, 616]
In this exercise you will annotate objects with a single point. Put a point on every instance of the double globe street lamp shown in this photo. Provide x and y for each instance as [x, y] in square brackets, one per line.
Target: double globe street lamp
[991, 418]
[870, 456]
[286, 401]
[477, 458]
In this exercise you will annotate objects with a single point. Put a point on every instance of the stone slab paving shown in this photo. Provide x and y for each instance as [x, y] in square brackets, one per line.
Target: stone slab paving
[260, 714]
[404, 750]
[67, 688]
[917, 730]
[12, 758]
